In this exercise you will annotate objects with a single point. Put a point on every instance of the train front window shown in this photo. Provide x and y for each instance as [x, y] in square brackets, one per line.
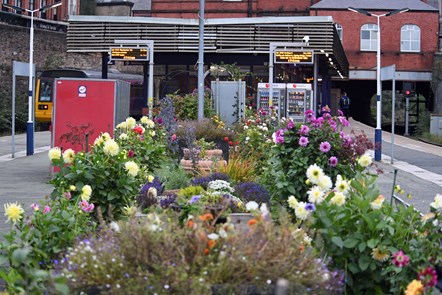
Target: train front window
[45, 91]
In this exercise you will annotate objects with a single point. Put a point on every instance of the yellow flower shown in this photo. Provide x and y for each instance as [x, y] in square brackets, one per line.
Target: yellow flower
[130, 210]
[380, 254]
[415, 288]
[111, 147]
[86, 192]
[365, 160]
[54, 153]
[152, 133]
[123, 136]
[68, 156]
[13, 211]
[377, 204]
[150, 178]
[150, 124]
[131, 168]
[72, 188]
[122, 125]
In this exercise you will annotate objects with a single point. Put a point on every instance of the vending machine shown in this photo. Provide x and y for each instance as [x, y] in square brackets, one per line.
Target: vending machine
[298, 100]
[278, 99]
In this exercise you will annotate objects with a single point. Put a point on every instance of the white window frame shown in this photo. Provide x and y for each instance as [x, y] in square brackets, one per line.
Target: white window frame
[370, 43]
[408, 40]
[340, 30]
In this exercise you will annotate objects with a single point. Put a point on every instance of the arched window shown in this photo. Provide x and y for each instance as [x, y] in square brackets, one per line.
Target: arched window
[410, 38]
[369, 37]
[339, 30]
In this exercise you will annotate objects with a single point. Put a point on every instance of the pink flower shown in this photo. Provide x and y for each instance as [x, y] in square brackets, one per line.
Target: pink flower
[324, 146]
[340, 113]
[304, 130]
[333, 161]
[344, 121]
[174, 137]
[303, 141]
[85, 206]
[47, 209]
[131, 154]
[290, 124]
[35, 207]
[400, 259]
[68, 195]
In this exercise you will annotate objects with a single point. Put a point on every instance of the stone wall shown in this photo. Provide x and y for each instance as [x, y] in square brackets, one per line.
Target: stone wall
[49, 52]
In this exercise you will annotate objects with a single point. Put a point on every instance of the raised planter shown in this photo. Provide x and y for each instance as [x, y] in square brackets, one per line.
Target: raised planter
[213, 159]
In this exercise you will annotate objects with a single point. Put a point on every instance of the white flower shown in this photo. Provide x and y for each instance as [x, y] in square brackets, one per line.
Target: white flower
[54, 153]
[152, 133]
[338, 199]
[144, 119]
[122, 125]
[365, 160]
[265, 129]
[264, 210]
[301, 212]
[437, 204]
[252, 206]
[105, 136]
[111, 147]
[114, 226]
[130, 123]
[222, 233]
[213, 236]
[246, 127]
[68, 156]
[293, 202]
[150, 124]
[131, 168]
[313, 173]
[325, 182]
[220, 186]
[341, 185]
[123, 136]
[315, 195]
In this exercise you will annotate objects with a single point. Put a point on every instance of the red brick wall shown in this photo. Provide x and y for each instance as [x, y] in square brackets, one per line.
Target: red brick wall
[226, 9]
[62, 11]
[390, 39]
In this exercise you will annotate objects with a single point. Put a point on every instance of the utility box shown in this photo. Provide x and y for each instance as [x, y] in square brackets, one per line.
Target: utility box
[436, 125]
[84, 108]
[230, 100]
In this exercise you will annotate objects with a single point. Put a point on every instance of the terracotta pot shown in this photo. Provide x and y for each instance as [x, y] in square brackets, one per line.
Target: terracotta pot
[201, 166]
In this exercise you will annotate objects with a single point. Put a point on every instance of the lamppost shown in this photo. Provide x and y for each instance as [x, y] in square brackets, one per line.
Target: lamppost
[30, 123]
[378, 130]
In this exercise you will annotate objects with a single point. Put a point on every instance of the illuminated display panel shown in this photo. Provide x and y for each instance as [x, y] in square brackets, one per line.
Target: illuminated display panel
[293, 57]
[128, 54]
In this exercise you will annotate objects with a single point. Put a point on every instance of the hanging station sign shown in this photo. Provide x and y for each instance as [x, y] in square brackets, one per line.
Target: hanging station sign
[129, 54]
[294, 56]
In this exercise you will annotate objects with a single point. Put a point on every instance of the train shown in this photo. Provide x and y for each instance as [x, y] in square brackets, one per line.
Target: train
[44, 93]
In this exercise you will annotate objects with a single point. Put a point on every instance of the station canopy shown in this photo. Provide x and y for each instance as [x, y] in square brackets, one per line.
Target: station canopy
[221, 35]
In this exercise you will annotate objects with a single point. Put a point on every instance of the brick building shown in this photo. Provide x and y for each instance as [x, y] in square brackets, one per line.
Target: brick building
[60, 13]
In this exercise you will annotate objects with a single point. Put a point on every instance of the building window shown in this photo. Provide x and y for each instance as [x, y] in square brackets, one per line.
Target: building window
[339, 30]
[4, 8]
[369, 37]
[410, 38]
[31, 4]
[43, 14]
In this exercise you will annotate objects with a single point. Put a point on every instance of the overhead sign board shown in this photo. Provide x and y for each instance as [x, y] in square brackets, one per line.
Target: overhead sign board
[294, 56]
[129, 54]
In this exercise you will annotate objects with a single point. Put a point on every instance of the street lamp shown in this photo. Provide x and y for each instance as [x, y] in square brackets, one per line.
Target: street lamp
[30, 124]
[378, 130]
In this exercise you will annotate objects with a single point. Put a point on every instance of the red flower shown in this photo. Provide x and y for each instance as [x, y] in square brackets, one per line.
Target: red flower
[237, 142]
[428, 277]
[138, 129]
[230, 142]
[131, 154]
[400, 259]
[226, 139]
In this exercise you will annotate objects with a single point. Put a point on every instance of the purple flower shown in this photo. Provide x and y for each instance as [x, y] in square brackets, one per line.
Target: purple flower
[303, 141]
[344, 121]
[340, 113]
[324, 146]
[333, 161]
[304, 130]
[278, 136]
[194, 199]
[309, 115]
[47, 209]
[310, 207]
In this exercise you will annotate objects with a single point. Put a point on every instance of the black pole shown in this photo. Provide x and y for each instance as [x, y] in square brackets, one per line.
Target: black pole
[104, 61]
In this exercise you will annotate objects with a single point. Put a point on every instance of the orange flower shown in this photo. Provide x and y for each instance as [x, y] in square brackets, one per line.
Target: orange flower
[415, 288]
[190, 223]
[206, 217]
[252, 222]
[211, 244]
[301, 248]
[206, 251]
